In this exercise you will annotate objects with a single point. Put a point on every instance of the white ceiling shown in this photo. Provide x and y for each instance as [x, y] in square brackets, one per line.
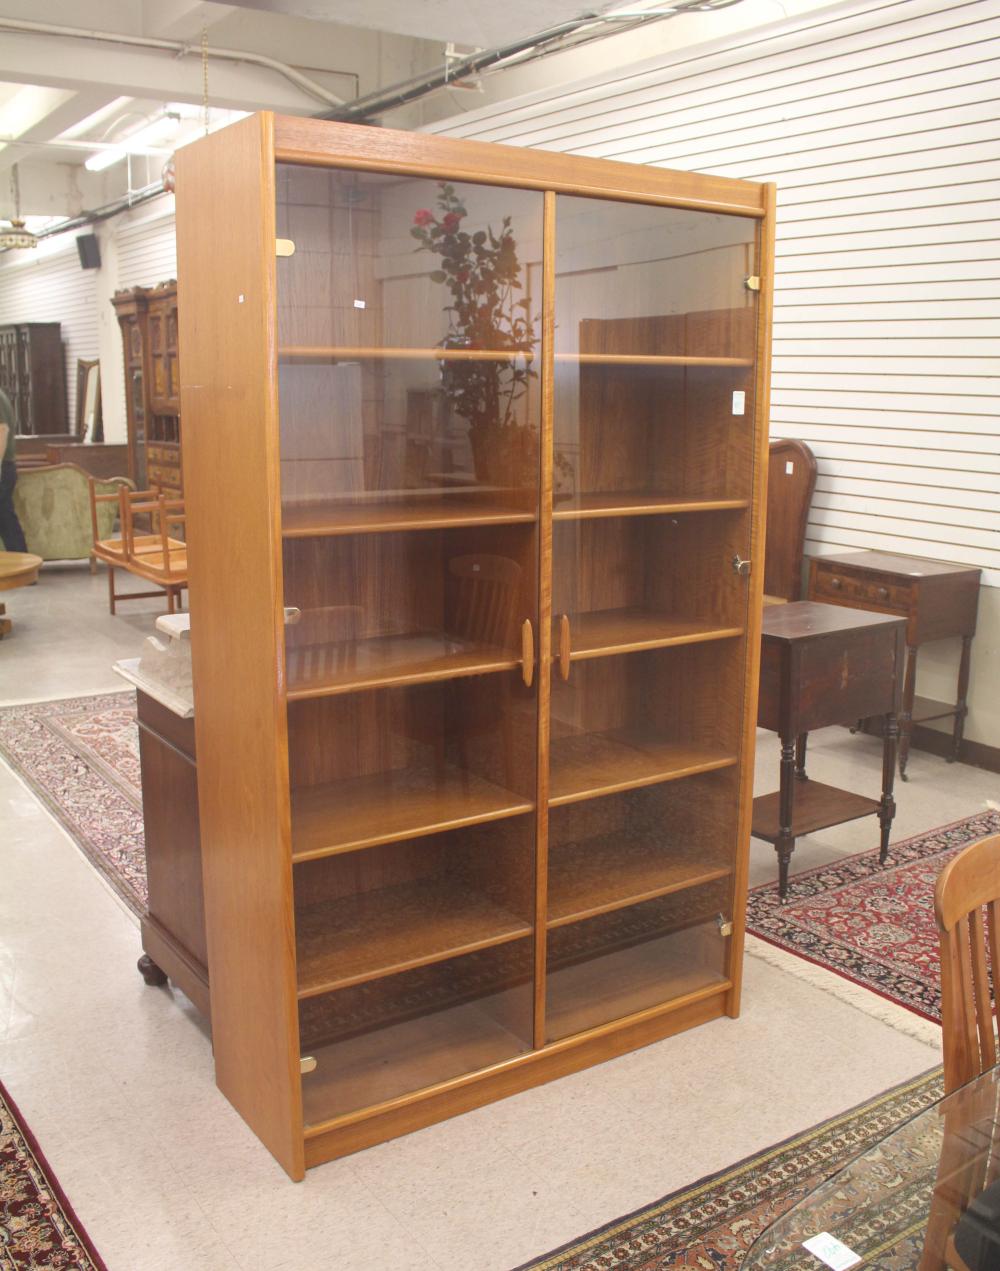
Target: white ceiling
[483, 23]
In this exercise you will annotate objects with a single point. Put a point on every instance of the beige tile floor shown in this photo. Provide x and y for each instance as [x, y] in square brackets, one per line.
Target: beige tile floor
[116, 1079]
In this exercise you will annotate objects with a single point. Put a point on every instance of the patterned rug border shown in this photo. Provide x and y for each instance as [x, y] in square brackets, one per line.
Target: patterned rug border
[845, 872]
[552, 1260]
[31, 1144]
[873, 851]
[111, 875]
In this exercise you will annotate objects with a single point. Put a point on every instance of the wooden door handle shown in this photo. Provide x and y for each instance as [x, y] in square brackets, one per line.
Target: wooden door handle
[564, 646]
[527, 652]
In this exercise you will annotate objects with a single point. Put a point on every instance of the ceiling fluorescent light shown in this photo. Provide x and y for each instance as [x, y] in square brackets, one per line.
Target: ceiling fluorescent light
[139, 142]
[105, 158]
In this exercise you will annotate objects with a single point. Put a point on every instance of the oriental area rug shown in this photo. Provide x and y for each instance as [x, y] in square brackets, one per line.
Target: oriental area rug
[871, 924]
[38, 1228]
[80, 756]
[713, 1223]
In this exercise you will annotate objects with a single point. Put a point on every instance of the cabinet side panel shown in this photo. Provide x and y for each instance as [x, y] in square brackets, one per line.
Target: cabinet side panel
[225, 249]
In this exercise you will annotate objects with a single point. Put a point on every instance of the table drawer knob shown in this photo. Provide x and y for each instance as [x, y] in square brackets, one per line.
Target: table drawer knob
[835, 584]
[883, 593]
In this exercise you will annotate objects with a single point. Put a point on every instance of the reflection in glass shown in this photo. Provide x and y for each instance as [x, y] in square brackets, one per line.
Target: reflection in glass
[409, 320]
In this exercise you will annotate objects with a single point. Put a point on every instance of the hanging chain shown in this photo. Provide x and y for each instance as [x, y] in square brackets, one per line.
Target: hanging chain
[204, 76]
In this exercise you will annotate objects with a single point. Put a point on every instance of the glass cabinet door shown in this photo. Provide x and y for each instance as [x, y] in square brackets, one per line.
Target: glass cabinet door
[653, 457]
[409, 328]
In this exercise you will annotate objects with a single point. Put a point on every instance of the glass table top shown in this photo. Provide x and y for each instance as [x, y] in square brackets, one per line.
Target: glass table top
[896, 1205]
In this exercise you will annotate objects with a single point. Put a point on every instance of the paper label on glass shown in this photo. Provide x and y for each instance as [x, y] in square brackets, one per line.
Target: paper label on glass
[739, 402]
[831, 1251]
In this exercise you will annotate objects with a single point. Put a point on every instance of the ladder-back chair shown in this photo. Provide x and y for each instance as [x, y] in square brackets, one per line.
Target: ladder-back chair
[970, 946]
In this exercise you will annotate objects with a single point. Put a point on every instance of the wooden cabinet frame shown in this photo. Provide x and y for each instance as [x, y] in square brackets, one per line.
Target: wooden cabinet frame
[229, 359]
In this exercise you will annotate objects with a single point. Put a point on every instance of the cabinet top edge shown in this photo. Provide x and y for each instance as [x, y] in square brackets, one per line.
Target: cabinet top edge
[323, 142]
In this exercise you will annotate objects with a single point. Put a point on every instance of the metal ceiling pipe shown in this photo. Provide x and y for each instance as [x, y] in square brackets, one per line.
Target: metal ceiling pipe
[556, 39]
[177, 47]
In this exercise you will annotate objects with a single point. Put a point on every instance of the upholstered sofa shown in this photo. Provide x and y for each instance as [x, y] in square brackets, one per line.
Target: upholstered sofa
[53, 506]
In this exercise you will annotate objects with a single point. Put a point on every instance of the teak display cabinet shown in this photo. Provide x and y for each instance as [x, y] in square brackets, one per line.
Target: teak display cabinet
[475, 639]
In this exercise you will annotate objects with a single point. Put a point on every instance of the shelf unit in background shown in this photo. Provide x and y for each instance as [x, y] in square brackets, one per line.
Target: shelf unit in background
[147, 317]
[475, 675]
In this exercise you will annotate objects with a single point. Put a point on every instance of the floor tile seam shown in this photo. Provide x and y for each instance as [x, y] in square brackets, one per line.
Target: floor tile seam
[407, 1220]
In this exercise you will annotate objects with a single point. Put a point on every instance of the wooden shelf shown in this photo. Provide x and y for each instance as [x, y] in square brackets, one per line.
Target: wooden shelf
[650, 359]
[927, 708]
[322, 670]
[816, 807]
[590, 993]
[364, 353]
[586, 506]
[404, 803]
[602, 874]
[309, 520]
[383, 1064]
[377, 933]
[610, 631]
[587, 765]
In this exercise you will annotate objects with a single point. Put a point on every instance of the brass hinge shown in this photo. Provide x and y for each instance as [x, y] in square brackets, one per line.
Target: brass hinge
[752, 282]
[307, 1063]
[725, 925]
[741, 566]
[284, 247]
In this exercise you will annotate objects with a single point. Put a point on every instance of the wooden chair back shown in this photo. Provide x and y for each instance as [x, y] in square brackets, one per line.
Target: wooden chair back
[791, 479]
[968, 885]
[485, 591]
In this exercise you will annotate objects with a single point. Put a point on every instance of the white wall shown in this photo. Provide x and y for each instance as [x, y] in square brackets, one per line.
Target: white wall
[48, 285]
[54, 289]
[877, 121]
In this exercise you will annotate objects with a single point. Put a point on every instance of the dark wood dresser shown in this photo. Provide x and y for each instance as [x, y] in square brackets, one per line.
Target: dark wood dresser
[937, 599]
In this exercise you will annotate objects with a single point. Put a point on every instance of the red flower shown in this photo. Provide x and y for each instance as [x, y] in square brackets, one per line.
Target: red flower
[450, 221]
[462, 275]
[424, 217]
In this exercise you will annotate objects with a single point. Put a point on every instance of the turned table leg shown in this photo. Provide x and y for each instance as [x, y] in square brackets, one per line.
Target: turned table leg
[906, 718]
[887, 807]
[785, 844]
[961, 709]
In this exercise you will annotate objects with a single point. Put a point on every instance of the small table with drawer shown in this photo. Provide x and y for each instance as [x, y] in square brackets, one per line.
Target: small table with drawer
[822, 665]
[938, 600]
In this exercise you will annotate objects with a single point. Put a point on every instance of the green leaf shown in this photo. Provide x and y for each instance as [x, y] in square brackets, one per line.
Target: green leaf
[417, 233]
[437, 276]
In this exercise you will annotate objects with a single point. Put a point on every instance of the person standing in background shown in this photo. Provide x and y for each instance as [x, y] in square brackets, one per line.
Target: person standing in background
[10, 527]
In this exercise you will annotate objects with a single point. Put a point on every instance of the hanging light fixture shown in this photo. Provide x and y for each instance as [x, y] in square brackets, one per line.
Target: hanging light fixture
[15, 235]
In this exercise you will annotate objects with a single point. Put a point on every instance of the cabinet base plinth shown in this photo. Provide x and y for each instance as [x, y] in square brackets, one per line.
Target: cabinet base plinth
[369, 1126]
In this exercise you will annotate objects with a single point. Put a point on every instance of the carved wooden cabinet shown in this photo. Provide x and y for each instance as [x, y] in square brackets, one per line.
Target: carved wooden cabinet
[33, 375]
[148, 320]
[474, 635]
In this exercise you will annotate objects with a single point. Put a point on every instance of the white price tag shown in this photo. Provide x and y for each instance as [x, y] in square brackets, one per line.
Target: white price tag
[790, 468]
[739, 402]
[831, 1251]
[360, 304]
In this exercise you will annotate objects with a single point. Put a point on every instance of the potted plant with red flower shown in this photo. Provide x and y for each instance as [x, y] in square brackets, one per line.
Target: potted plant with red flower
[487, 311]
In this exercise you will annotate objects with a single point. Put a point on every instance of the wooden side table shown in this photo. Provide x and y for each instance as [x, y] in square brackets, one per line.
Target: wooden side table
[938, 600]
[17, 569]
[822, 665]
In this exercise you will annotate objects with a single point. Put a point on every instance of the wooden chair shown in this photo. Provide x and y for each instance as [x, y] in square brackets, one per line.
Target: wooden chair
[156, 556]
[970, 948]
[791, 479]
[968, 884]
[130, 550]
